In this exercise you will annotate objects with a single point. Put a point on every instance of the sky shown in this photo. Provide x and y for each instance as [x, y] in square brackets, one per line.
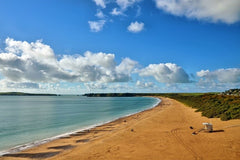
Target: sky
[83, 46]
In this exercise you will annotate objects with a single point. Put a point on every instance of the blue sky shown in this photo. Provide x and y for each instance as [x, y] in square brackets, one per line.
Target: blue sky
[79, 46]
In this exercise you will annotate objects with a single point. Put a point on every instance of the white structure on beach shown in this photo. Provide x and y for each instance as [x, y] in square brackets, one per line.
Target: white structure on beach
[208, 127]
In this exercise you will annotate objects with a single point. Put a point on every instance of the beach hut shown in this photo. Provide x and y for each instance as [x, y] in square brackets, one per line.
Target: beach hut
[208, 127]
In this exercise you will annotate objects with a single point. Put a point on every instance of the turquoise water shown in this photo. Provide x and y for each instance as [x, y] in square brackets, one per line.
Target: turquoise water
[25, 119]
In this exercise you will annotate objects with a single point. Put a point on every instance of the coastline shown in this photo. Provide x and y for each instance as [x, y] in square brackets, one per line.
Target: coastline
[27, 146]
[161, 132]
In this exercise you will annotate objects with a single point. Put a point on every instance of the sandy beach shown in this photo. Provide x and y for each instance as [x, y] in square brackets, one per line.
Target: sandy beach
[164, 132]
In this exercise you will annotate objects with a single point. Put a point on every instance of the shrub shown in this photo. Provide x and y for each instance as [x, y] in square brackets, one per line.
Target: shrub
[224, 107]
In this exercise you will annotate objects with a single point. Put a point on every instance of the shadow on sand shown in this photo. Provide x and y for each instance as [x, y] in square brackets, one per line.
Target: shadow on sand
[65, 147]
[33, 155]
[220, 130]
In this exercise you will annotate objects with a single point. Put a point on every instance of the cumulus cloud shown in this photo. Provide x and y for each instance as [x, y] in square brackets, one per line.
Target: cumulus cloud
[109, 87]
[121, 87]
[36, 62]
[118, 7]
[227, 11]
[230, 75]
[96, 26]
[136, 27]
[124, 4]
[34, 65]
[23, 85]
[144, 84]
[98, 67]
[166, 73]
[30, 61]
[116, 12]
[127, 66]
[93, 86]
[100, 14]
[100, 3]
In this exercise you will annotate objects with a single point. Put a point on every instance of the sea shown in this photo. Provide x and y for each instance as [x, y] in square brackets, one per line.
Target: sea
[27, 121]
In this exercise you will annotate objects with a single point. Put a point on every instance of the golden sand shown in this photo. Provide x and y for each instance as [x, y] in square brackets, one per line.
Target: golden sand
[161, 133]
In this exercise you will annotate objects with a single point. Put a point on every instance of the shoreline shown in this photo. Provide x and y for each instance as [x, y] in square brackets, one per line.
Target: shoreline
[23, 147]
[161, 132]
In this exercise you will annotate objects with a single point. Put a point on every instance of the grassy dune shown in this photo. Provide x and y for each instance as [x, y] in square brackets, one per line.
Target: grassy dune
[225, 107]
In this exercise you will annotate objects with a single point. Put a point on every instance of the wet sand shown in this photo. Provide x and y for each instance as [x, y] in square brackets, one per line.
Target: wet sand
[164, 132]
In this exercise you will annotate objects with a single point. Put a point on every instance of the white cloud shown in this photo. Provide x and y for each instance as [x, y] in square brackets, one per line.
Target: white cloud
[93, 86]
[34, 65]
[116, 12]
[166, 73]
[33, 61]
[36, 62]
[96, 26]
[136, 27]
[100, 14]
[24, 85]
[124, 4]
[100, 3]
[121, 87]
[117, 8]
[127, 66]
[227, 11]
[144, 84]
[35, 50]
[94, 67]
[230, 75]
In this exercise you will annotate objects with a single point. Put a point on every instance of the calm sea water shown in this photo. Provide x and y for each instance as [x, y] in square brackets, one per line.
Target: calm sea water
[25, 119]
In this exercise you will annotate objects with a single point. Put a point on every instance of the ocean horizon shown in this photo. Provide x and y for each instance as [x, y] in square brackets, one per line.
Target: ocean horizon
[27, 121]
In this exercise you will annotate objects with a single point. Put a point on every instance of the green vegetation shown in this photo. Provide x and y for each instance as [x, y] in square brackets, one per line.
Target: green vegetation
[224, 107]
[234, 92]
[24, 94]
[212, 105]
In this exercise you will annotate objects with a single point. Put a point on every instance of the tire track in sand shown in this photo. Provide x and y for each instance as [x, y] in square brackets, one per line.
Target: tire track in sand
[188, 147]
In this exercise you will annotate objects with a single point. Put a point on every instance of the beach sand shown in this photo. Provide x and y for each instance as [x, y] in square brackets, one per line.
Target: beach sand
[164, 132]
